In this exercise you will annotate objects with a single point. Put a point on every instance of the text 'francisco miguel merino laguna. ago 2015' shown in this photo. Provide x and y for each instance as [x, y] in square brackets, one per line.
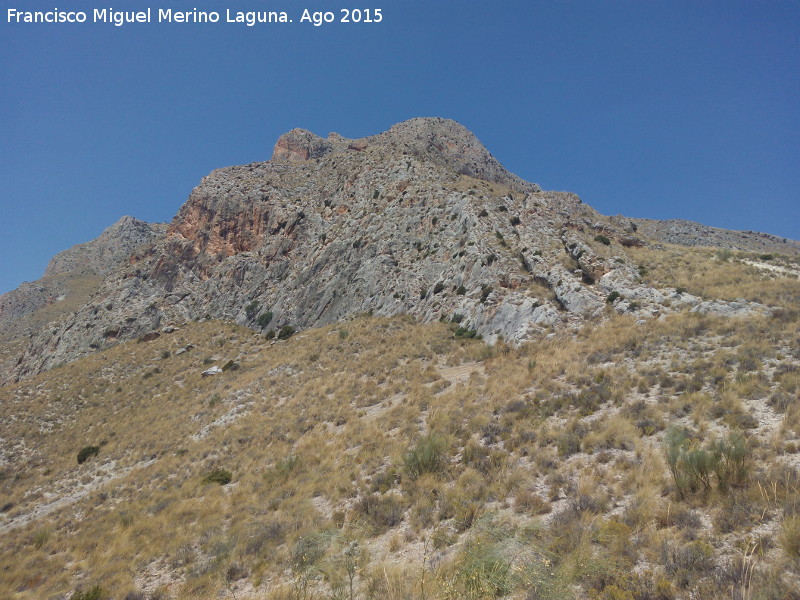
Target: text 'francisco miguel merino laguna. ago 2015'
[119, 18]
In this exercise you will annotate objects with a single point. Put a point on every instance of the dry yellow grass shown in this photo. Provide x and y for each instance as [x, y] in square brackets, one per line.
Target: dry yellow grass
[549, 478]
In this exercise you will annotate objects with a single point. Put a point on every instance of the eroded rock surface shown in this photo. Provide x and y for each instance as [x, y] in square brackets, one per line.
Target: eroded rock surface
[420, 219]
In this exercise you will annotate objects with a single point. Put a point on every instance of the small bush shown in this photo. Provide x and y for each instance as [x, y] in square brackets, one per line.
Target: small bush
[40, 537]
[602, 239]
[286, 332]
[569, 443]
[283, 468]
[690, 466]
[481, 571]
[307, 550]
[730, 457]
[724, 255]
[612, 296]
[456, 318]
[251, 310]
[384, 512]
[428, 455]
[461, 290]
[220, 476]
[87, 452]
[96, 593]
[264, 319]
[463, 332]
[694, 467]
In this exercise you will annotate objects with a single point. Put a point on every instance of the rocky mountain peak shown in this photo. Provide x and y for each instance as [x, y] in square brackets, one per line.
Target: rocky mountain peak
[300, 145]
[444, 141]
[101, 255]
[420, 219]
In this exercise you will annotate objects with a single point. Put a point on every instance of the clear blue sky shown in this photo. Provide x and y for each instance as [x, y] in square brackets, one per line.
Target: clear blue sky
[664, 109]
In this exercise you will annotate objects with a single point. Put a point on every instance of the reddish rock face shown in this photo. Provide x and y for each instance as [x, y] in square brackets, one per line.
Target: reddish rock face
[213, 234]
[300, 145]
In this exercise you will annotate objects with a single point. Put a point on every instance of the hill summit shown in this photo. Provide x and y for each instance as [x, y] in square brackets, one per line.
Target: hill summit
[420, 219]
[627, 428]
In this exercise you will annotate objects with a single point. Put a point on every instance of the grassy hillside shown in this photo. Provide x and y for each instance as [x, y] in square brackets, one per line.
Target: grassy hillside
[381, 458]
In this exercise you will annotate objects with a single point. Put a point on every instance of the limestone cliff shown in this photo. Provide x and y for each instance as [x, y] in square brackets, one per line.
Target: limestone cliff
[420, 219]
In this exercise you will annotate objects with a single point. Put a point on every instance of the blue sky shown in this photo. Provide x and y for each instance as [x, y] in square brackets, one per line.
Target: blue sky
[650, 109]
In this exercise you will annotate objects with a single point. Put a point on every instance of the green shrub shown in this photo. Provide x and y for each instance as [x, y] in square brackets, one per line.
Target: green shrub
[456, 318]
[689, 465]
[602, 239]
[694, 467]
[461, 290]
[568, 443]
[481, 571]
[438, 288]
[612, 296]
[730, 456]
[251, 310]
[96, 593]
[308, 550]
[264, 319]
[270, 335]
[220, 476]
[428, 455]
[463, 332]
[286, 332]
[87, 452]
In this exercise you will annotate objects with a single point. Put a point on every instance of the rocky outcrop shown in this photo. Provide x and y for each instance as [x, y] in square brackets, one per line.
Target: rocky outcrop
[101, 255]
[689, 233]
[420, 219]
[70, 275]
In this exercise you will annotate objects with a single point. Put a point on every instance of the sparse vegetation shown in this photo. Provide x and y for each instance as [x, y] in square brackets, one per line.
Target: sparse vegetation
[652, 459]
